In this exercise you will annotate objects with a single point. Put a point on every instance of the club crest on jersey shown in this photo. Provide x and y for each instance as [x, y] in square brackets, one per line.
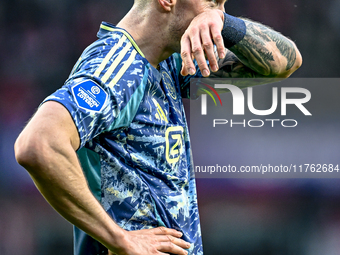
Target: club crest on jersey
[169, 86]
[89, 96]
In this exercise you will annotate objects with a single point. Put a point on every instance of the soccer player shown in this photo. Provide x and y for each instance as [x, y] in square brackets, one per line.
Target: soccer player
[110, 150]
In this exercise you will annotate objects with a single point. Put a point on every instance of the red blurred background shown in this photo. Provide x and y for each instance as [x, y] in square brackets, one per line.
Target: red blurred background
[39, 43]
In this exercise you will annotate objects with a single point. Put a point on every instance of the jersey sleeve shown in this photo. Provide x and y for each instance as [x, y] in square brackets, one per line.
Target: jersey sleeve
[105, 88]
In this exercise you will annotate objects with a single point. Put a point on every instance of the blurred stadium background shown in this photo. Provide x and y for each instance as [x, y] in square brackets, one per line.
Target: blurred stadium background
[39, 43]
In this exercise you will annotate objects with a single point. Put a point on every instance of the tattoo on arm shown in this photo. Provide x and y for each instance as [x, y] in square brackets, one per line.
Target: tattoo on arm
[285, 46]
[232, 67]
[254, 50]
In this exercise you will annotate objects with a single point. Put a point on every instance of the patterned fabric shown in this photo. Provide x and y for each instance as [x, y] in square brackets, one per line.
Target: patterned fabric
[135, 148]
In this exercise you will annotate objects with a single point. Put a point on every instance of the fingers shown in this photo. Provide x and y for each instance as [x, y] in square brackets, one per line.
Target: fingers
[172, 248]
[208, 47]
[198, 43]
[216, 34]
[173, 245]
[218, 40]
[192, 48]
[179, 242]
[201, 45]
[188, 66]
[167, 231]
[169, 241]
[155, 241]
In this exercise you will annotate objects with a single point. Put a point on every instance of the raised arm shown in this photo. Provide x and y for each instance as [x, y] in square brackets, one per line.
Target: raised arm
[254, 50]
[46, 148]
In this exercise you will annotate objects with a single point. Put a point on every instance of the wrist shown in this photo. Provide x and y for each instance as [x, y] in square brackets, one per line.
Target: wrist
[117, 239]
[234, 30]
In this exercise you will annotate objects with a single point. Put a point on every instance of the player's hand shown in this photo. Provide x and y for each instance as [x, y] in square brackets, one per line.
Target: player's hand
[158, 241]
[198, 42]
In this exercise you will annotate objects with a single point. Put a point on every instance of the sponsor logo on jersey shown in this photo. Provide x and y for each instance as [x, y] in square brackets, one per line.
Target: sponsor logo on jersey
[174, 144]
[89, 96]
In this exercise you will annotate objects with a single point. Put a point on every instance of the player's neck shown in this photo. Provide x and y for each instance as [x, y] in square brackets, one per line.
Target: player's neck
[148, 33]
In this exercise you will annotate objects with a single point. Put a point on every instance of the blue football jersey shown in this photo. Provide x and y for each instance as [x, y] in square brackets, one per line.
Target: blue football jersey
[135, 147]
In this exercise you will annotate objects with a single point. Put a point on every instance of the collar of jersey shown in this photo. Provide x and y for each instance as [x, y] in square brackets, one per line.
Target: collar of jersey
[106, 27]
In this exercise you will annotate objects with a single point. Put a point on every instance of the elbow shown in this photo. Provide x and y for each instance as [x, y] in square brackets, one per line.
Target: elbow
[289, 64]
[26, 153]
[298, 61]
[23, 154]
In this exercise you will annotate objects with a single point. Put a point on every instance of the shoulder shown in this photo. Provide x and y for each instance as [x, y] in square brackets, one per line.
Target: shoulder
[110, 58]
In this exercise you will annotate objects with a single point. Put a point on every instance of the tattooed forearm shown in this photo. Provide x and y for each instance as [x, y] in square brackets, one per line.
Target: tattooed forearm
[232, 67]
[254, 48]
[256, 32]
[263, 52]
[262, 49]
[284, 45]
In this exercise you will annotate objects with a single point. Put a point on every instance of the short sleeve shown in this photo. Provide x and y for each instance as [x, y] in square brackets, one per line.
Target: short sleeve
[105, 89]
[89, 105]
